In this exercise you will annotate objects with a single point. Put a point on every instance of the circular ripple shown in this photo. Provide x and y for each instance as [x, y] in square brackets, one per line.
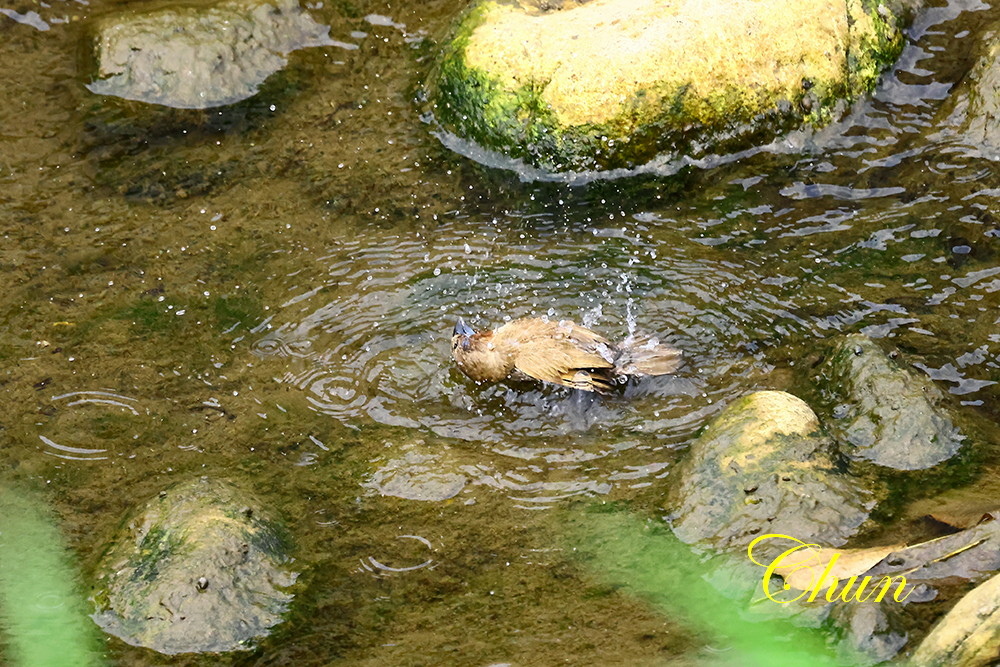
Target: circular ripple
[367, 339]
[371, 353]
[401, 557]
[90, 425]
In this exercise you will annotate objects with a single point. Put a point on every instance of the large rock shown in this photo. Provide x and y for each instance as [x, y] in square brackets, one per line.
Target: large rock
[968, 635]
[199, 57]
[764, 466]
[885, 413]
[200, 569]
[612, 83]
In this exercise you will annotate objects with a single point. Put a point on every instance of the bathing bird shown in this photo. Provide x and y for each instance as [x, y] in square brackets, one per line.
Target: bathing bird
[560, 352]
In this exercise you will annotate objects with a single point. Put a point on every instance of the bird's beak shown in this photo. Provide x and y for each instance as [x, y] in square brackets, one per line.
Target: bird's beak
[462, 329]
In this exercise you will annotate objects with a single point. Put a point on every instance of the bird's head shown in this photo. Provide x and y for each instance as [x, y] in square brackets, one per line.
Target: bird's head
[461, 336]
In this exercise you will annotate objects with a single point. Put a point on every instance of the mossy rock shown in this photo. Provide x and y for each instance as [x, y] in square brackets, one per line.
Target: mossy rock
[608, 84]
[885, 413]
[764, 466]
[200, 568]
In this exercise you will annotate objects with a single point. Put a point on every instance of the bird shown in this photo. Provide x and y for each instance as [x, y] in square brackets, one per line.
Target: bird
[562, 353]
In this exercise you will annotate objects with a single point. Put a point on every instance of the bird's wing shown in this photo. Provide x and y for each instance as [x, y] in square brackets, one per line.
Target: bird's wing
[644, 355]
[561, 361]
[581, 335]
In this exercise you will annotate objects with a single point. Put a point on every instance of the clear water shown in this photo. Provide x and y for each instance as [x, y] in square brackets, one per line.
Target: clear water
[266, 293]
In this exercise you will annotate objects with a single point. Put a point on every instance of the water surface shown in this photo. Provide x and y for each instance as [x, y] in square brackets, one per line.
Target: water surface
[266, 292]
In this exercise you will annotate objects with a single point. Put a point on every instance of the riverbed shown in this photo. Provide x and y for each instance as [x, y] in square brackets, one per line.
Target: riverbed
[265, 292]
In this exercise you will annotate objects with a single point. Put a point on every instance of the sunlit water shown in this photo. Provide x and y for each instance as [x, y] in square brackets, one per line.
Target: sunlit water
[268, 293]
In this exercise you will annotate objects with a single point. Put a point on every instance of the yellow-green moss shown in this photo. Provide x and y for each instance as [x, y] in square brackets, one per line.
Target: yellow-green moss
[511, 81]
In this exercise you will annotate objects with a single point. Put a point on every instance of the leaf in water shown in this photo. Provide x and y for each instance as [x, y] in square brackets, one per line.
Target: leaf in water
[970, 554]
[803, 565]
[967, 554]
[966, 518]
[964, 507]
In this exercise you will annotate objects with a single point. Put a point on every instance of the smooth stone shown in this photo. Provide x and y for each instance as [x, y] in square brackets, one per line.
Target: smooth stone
[199, 57]
[968, 635]
[604, 84]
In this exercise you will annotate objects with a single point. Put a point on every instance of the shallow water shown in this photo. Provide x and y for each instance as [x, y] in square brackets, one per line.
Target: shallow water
[266, 292]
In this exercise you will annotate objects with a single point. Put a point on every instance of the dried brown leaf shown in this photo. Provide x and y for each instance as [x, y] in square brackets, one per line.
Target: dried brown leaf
[803, 568]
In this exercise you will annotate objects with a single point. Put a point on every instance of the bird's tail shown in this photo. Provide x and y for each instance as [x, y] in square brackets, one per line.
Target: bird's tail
[645, 355]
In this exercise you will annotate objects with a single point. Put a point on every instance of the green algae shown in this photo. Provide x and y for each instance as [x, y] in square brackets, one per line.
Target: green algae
[147, 316]
[235, 310]
[478, 105]
[872, 51]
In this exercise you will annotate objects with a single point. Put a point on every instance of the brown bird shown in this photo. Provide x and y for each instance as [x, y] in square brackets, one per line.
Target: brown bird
[561, 352]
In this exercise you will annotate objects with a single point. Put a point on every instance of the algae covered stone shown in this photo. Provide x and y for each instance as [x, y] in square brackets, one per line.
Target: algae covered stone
[200, 568]
[612, 83]
[764, 466]
[886, 414]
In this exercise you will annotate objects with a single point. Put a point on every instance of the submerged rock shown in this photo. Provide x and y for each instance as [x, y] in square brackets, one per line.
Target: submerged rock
[982, 125]
[886, 414]
[199, 57]
[199, 569]
[764, 466]
[969, 634]
[612, 83]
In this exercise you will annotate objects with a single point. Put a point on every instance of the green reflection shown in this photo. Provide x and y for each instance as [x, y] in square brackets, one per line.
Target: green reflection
[44, 618]
[647, 561]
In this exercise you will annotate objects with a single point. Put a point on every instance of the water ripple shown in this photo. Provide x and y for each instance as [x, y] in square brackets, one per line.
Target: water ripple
[72, 453]
[92, 425]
